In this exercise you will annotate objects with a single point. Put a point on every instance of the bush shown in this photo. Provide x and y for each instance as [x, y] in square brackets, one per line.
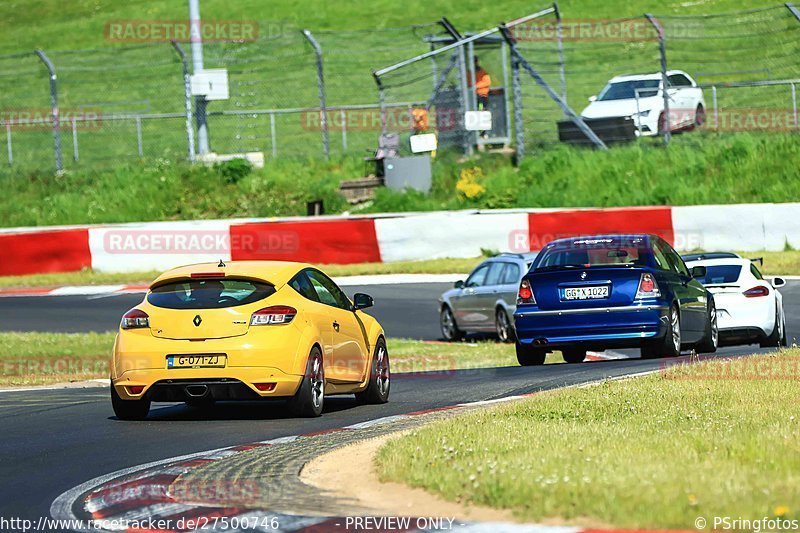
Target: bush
[234, 170]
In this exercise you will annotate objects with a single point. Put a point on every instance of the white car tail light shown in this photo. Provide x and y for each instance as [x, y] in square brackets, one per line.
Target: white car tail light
[275, 314]
[135, 318]
[648, 287]
[756, 292]
[525, 294]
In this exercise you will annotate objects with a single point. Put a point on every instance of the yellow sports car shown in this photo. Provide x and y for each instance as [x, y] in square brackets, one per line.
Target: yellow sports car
[247, 330]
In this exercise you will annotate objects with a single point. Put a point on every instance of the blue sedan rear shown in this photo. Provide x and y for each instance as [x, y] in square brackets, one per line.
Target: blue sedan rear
[612, 291]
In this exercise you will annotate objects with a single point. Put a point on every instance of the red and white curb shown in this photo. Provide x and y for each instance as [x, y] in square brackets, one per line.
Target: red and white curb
[348, 239]
[142, 492]
[342, 281]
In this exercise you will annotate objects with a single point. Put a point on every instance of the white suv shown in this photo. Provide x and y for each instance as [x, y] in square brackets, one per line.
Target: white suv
[641, 97]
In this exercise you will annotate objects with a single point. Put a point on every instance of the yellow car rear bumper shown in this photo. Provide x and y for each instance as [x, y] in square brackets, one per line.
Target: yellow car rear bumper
[284, 384]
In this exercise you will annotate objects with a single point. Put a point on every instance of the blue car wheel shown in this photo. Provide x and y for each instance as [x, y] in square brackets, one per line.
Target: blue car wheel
[529, 356]
[670, 344]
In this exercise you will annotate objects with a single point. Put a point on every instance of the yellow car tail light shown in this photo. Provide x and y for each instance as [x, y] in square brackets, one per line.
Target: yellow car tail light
[274, 314]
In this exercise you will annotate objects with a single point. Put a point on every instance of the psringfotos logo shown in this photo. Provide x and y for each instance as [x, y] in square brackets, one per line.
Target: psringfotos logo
[164, 31]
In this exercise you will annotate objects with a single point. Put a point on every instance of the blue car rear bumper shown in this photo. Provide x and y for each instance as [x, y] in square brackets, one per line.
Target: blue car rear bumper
[612, 327]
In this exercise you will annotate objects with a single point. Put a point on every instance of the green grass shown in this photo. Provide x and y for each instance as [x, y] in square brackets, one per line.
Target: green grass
[79, 24]
[654, 452]
[90, 277]
[419, 356]
[43, 358]
[696, 169]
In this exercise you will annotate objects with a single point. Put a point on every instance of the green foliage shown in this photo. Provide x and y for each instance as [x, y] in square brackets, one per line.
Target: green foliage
[234, 170]
[695, 169]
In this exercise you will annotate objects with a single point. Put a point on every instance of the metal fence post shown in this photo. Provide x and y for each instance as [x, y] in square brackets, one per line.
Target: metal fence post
[473, 87]
[187, 96]
[196, 34]
[139, 135]
[323, 105]
[434, 69]
[794, 105]
[519, 126]
[75, 153]
[273, 135]
[793, 9]
[343, 116]
[54, 113]
[662, 49]
[560, 43]
[381, 101]
[8, 142]
[465, 99]
[716, 109]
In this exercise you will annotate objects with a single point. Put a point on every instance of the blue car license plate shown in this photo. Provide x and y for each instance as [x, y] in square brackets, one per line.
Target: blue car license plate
[596, 292]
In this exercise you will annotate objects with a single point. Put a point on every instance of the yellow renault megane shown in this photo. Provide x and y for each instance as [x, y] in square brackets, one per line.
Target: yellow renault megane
[247, 330]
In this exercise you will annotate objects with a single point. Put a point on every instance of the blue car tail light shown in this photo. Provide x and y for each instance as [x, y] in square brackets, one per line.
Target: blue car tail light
[525, 294]
[648, 287]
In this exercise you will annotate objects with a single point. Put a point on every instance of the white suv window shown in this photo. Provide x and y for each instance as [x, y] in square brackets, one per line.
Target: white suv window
[679, 80]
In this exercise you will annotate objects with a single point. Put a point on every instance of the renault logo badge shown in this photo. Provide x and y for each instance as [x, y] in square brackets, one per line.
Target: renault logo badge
[197, 321]
[583, 275]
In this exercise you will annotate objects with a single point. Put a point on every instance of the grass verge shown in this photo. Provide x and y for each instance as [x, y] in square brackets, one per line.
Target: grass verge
[712, 439]
[775, 263]
[697, 169]
[90, 277]
[46, 358]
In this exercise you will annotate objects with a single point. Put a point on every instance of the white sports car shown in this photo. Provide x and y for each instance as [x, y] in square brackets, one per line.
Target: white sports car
[749, 307]
[641, 97]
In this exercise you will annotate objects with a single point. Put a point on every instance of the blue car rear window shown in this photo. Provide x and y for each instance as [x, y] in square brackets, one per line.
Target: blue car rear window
[721, 274]
[587, 256]
[209, 293]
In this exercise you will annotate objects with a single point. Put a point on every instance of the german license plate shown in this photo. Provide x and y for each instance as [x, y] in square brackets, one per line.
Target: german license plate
[585, 293]
[197, 361]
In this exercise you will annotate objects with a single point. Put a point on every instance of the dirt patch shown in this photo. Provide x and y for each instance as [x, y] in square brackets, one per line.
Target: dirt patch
[349, 472]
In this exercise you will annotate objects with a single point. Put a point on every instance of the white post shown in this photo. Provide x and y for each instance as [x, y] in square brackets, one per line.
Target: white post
[196, 34]
[274, 137]
[716, 110]
[139, 135]
[8, 141]
[343, 115]
[75, 153]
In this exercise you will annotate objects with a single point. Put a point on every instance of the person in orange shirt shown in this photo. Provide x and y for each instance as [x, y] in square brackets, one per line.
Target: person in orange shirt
[482, 85]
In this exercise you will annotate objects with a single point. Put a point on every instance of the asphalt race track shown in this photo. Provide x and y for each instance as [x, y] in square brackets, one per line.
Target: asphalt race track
[405, 310]
[53, 440]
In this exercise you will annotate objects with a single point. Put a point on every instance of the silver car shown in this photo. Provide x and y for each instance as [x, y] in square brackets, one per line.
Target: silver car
[486, 301]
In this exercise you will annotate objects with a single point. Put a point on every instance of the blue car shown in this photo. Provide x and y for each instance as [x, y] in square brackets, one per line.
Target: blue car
[612, 291]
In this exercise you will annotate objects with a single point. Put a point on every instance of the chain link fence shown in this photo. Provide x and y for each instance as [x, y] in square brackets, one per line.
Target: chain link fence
[295, 93]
